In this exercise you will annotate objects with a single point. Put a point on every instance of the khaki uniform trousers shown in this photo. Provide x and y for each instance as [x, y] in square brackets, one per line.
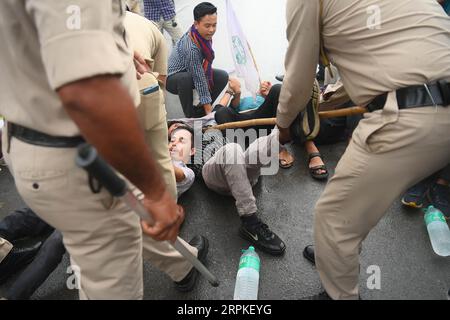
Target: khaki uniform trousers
[390, 151]
[152, 115]
[102, 236]
[175, 32]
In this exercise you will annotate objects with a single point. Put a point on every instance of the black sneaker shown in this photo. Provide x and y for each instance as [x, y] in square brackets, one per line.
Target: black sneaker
[439, 197]
[263, 238]
[415, 196]
[16, 259]
[188, 282]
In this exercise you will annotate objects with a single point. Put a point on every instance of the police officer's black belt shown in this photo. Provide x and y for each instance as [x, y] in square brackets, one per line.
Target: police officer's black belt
[42, 139]
[437, 93]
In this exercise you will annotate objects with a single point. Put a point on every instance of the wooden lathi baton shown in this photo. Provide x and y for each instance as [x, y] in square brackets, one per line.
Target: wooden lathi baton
[272, 121]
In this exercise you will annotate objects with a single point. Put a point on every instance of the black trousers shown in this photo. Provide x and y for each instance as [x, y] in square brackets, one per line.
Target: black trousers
[45, 262]
[182, 85]
[336, 130]
[267, 110]
[24, 223]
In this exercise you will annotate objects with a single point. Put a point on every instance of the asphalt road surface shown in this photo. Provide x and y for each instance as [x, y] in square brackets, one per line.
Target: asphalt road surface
[398, 247]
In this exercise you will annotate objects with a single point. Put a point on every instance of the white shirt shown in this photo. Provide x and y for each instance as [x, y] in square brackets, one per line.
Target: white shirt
[189, 178]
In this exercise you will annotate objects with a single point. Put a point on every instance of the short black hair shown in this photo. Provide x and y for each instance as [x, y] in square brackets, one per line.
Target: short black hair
[171, 122]
[203, 9]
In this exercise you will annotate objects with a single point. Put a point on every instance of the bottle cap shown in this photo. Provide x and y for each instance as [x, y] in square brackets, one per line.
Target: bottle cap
[251, 248]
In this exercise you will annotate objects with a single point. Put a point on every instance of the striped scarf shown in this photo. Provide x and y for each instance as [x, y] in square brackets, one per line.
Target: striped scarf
[208, 53]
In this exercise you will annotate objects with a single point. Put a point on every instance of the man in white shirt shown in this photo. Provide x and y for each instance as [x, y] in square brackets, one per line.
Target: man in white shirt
[227, 169]
[181, 150]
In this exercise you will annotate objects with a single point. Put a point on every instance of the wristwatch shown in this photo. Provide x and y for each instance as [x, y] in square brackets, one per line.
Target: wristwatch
[230, 92]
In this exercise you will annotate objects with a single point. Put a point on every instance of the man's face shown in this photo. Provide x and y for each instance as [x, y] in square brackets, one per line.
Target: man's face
[180, 145]
[207, 26]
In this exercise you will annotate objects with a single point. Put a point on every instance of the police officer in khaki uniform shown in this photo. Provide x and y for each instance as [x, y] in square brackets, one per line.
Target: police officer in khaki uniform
[393, 57]
[147, 41]
[69, 77]
[134, 6]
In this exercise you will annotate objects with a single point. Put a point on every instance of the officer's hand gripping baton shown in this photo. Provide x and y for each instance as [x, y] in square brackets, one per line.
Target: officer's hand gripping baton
[89, 160]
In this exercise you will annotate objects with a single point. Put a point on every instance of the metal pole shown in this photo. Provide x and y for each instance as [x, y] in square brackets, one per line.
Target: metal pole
[89, 160]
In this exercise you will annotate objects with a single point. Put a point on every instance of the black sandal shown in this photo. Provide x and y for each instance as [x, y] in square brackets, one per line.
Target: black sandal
[314, 170]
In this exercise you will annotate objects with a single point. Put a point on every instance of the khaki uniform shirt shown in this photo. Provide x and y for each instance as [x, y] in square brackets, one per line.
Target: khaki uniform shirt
[147, 40]
[134, 6]
[48, 44]
[377, 45]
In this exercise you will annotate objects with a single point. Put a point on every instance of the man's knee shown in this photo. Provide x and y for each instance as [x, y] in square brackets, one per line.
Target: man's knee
[221, 76]
[223, 114]
[275, 90]
[182, 80]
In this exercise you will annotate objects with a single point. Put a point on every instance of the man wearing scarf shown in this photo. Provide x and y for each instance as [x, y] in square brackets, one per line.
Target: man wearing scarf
[190, 65]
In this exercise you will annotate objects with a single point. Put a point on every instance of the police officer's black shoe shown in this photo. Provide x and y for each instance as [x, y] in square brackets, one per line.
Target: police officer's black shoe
[263, 238]
[188, 282]
[16, 259]
[308, 253]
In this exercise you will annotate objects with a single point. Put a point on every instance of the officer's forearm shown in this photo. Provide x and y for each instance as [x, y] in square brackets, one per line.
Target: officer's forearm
[103, 110]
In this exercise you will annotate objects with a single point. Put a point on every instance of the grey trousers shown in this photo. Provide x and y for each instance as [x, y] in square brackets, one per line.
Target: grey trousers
[231, 171]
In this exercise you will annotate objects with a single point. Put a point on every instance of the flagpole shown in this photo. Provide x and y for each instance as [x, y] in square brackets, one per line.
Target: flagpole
[254, 61]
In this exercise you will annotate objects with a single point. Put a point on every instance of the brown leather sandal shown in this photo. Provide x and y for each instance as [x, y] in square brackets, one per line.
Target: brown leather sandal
[314, 170]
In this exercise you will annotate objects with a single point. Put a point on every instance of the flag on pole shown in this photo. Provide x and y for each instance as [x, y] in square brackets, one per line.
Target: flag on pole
[243, 58]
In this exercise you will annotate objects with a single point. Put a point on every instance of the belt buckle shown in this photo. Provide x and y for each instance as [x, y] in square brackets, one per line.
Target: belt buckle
[427, 89]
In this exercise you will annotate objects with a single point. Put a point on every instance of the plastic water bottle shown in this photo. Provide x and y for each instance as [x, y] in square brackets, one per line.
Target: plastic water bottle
[438, 231]
[247, 279]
